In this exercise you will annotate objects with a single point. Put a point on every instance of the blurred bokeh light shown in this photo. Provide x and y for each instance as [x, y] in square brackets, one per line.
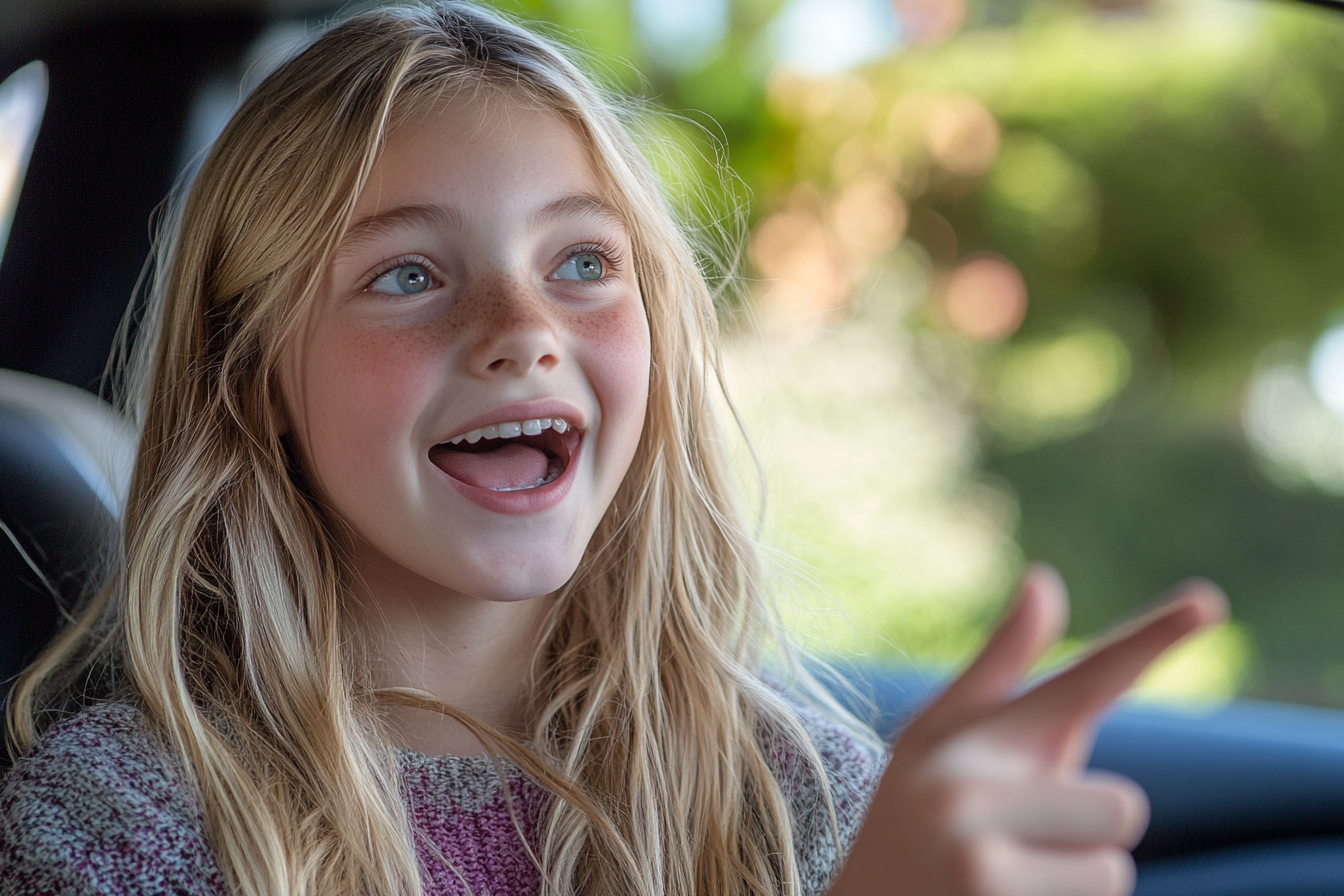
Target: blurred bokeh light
[1039, 278]
[985, 298]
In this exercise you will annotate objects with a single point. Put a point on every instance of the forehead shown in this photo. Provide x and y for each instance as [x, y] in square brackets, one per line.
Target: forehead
[489, 147]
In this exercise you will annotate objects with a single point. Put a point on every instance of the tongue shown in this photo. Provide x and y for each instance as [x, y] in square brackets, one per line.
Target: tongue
[512, 466]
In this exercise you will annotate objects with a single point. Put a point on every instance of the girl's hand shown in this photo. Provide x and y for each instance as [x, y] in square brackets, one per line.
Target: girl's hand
[987, 794]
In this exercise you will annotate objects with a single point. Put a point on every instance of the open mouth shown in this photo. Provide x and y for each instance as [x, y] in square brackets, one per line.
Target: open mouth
[509, 457]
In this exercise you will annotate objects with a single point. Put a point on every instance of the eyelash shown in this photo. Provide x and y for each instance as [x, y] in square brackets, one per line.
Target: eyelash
[614, 258]
[400, 261]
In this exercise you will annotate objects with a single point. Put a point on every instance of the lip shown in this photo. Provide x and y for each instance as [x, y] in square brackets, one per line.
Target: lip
[533, 500]
[523, 410]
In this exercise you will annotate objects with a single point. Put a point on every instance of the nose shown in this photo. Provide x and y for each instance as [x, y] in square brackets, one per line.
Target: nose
[517, 332]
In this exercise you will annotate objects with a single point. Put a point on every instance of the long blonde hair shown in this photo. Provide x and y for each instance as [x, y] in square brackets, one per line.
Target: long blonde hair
[224, 620]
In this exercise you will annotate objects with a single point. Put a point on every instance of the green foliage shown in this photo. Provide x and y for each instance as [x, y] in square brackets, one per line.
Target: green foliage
[1168, 184]
[1134, 506]
[1194, 172]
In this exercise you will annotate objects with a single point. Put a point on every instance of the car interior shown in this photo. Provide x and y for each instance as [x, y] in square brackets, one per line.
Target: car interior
[1246, 799]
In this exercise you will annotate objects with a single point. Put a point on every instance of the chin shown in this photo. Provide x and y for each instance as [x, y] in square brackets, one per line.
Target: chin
[526, 583]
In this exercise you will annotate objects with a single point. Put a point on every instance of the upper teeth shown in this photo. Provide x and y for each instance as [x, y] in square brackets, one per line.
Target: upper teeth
[511, 430]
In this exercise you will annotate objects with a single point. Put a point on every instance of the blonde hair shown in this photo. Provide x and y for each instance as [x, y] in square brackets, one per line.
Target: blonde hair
[225, 620]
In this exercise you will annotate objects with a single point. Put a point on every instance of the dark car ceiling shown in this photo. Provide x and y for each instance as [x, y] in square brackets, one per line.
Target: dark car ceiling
[20, 20]
[123, 75]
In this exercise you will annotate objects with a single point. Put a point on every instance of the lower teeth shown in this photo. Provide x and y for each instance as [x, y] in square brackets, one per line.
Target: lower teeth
[551, 475]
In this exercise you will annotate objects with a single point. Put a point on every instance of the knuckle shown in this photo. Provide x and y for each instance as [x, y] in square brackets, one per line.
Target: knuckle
[1137, 814]
[1126, 810]
[1114, 808]
[1116, 874]
[1120, 807]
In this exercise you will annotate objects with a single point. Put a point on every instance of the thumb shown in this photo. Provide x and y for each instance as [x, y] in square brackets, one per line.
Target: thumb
[1035, 621]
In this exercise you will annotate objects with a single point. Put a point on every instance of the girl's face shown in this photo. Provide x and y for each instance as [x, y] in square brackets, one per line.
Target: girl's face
[471, 384]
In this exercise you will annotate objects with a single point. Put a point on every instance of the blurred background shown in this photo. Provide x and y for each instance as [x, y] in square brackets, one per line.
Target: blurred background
[1024, 279]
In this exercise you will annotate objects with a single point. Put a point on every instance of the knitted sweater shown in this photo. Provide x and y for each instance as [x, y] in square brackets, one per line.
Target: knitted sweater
[99, 807]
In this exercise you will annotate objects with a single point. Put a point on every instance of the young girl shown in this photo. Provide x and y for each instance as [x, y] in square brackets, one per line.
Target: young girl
[432, 579]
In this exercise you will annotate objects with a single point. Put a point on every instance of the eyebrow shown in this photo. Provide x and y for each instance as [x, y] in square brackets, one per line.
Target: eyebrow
[450, 218]
[576, 206]
[438, 216]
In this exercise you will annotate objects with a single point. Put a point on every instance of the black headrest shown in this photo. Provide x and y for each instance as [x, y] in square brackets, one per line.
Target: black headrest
[65, 461]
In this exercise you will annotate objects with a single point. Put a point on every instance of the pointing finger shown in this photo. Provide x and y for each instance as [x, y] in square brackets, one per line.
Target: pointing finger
[1073, 698]
[1035, 621]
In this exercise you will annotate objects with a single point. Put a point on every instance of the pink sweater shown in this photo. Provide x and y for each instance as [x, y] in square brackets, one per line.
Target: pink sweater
[97, 807]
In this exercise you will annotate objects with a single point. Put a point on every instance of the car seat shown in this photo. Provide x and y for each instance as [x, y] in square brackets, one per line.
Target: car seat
[65, 464]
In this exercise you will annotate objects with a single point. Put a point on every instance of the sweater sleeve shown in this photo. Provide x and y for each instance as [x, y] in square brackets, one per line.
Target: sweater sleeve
[853, 766]
[97, 807]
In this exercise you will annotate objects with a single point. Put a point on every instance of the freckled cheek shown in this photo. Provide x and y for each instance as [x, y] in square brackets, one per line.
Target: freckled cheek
[366, 391]
[616, 347]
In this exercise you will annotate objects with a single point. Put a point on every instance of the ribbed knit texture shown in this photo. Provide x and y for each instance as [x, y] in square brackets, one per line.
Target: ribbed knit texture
[99, 807]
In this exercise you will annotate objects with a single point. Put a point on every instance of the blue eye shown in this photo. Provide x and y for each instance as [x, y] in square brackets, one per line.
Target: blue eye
[403, 280]
[583, 266]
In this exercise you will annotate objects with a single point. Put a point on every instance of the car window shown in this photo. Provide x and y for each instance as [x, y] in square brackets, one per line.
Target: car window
[1021, 279]
[1035, 280]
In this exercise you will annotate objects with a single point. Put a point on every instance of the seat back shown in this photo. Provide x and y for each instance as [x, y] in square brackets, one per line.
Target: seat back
[65, 464]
